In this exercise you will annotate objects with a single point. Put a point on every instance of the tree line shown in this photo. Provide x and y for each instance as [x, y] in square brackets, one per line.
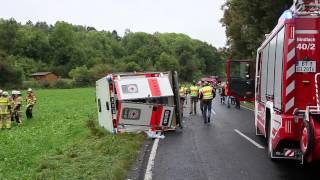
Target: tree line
[247, 22]
[86, 54]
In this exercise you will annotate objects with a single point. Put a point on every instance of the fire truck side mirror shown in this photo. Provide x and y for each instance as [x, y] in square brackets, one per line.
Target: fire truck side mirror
[247, 71]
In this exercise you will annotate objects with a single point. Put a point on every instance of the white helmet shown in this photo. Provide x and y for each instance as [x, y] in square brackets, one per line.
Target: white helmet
[14, 92]
[1, 91]
[19, 92]
[29, 90]
[5, 93]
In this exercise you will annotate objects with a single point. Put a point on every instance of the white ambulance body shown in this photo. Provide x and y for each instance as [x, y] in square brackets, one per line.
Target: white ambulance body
[138, 101]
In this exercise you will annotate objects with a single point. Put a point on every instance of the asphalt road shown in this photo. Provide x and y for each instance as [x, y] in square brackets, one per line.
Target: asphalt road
[217, 152]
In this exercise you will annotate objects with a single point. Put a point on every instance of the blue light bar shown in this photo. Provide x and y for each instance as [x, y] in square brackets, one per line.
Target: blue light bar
[286, 15]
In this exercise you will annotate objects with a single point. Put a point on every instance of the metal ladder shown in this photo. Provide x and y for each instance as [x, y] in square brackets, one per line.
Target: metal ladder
[306, 7]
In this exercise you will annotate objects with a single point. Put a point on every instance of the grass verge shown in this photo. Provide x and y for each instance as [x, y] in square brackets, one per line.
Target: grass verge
[63, 141]
[249, 105]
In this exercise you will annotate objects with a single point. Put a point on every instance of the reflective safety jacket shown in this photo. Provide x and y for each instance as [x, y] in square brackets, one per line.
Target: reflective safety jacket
[182, 91]
[31, 99]
[17, 103]
[207, 92]
[4, 105]
[194, 91]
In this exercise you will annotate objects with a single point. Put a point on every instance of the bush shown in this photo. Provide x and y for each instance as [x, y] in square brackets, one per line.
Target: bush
[82, 76]
[45, 84]
[63, 84]
[30, 84]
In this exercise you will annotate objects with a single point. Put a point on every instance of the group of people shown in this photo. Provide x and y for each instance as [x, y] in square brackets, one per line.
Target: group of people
[205, 93]
[11, 107]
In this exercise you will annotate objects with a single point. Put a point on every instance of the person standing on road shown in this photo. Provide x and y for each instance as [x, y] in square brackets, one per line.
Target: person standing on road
[194, 93]
[4, 110]
[31, 101]
[207, 94]
[182, 95]
[201, 104]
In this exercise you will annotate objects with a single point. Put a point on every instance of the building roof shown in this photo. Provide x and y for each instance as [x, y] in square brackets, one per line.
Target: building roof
[40, 73]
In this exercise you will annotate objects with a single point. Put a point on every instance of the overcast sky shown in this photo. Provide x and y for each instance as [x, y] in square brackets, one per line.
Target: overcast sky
[196, 18]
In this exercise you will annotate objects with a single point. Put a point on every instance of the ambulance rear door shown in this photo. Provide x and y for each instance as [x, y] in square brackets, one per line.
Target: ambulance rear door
[103, 104]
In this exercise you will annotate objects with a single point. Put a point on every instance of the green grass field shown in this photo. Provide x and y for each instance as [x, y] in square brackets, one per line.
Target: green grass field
[63, 141]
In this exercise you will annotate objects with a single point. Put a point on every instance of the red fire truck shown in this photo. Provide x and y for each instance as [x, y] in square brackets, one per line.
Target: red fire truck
[287, 109]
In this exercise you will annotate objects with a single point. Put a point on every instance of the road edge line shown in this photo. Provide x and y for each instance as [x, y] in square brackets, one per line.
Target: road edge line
[150, 165]
[249, 139]
[247, 108]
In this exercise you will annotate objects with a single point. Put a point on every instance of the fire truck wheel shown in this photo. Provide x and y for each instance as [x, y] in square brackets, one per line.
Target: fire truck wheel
[306, 139]
[270, 151]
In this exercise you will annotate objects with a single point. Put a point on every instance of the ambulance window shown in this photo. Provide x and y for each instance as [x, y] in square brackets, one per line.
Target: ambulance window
[107, 105]
[131, 113]
[130, 88]
[271, 62]
[278, 70]
[99, 105]
[264, 72]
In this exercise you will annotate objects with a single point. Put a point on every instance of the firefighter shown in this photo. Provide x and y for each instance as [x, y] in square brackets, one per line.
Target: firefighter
[200, 89]
[207, 94]
[17, 105]
[4, 110]
[222, 95]
[31, 100]
[182, 93]
[194, 93]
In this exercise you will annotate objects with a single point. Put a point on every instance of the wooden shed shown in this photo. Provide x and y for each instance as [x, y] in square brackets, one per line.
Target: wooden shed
[45, 76]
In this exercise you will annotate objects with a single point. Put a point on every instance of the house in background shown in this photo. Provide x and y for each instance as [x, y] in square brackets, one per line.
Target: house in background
[45, 76]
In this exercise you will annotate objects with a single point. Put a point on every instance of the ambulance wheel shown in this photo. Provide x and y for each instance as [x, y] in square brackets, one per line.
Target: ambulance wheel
[306, 139]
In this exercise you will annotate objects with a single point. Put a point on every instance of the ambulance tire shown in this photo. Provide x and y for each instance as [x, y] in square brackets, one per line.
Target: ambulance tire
[306, 139]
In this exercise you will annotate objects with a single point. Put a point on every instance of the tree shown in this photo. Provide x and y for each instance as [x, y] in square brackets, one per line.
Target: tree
[82, 76]
[10, 76]
[167, 63]
[247, 21]
[8, 34]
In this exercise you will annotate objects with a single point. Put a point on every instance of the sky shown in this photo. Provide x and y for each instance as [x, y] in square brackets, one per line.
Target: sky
[197, 18]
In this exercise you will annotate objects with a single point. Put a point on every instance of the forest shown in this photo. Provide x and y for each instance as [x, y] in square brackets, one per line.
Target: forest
[86, 54]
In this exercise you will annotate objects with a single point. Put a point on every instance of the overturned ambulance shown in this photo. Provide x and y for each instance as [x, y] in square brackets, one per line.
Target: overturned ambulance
[130, 102]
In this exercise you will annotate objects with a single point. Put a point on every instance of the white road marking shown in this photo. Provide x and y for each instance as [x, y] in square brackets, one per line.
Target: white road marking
[249, 139]
[213, 112]
[247, 108]
[148, 175]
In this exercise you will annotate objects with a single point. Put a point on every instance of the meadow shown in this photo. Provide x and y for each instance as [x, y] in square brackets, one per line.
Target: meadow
[63, 141]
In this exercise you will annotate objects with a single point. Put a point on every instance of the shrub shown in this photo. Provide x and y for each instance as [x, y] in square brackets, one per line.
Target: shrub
[63, 84]
[30, 84]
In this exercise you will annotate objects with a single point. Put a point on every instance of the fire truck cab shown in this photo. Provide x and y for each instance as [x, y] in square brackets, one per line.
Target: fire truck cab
[287, 110]
[128, 102]
[240, 81]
